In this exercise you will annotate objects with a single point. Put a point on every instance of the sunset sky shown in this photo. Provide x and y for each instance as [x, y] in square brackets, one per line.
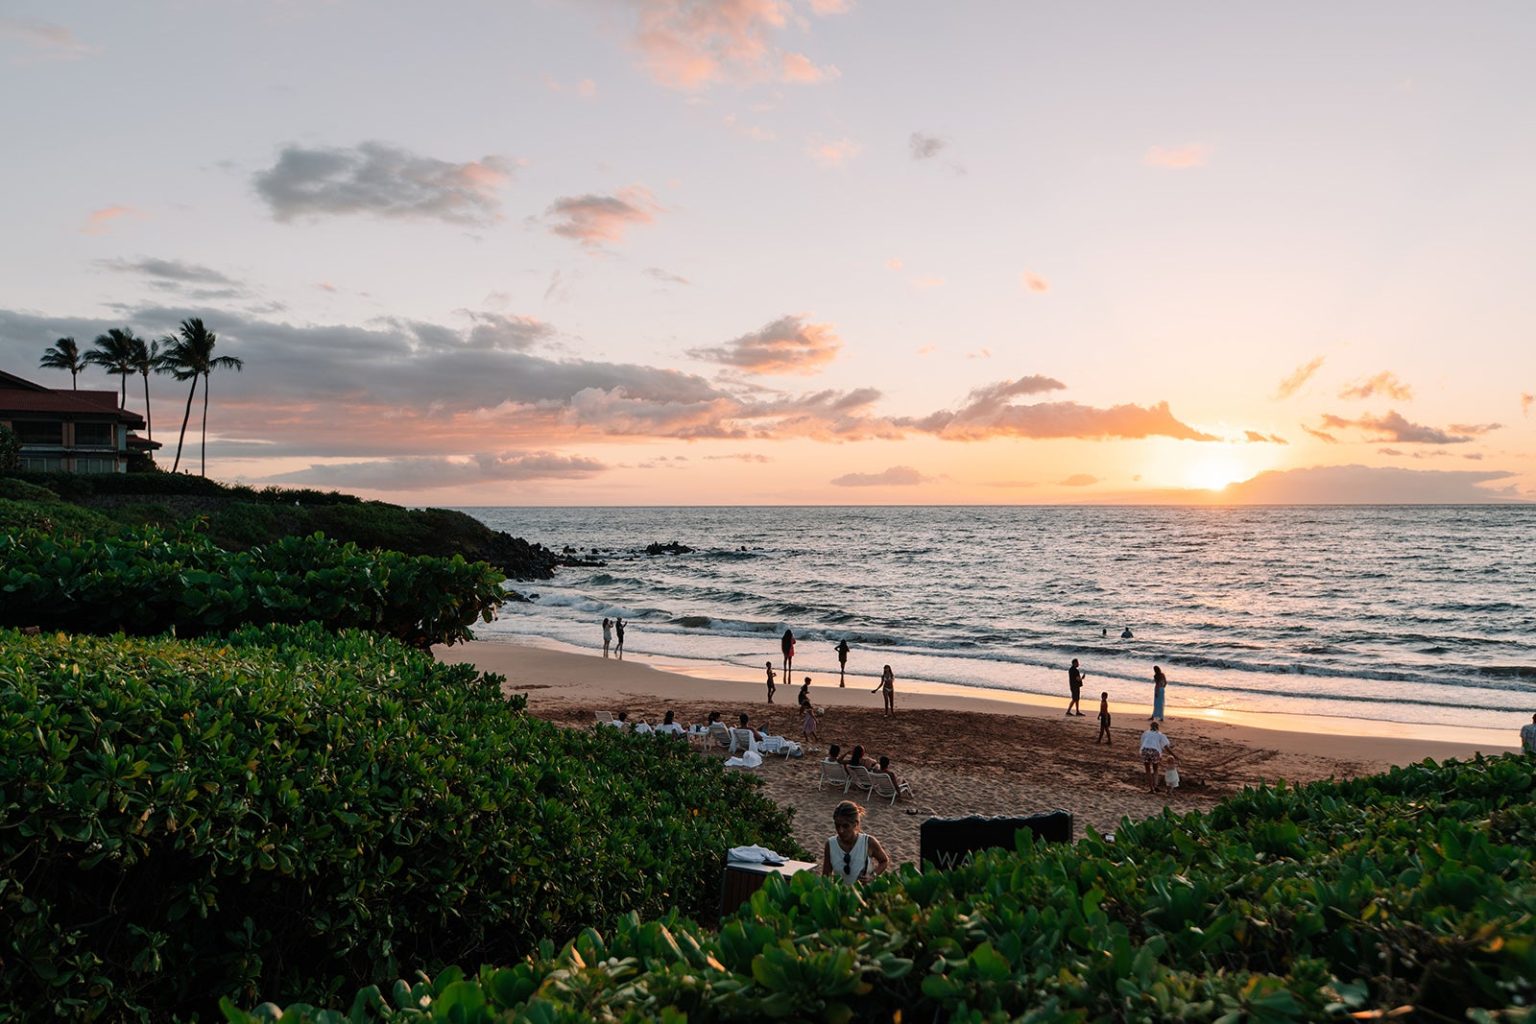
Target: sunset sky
[820, 251]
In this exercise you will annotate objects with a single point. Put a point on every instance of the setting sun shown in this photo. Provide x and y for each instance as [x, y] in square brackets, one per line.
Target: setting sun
[1216, 470]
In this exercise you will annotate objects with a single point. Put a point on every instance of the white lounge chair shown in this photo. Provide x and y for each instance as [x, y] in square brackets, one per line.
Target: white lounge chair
[835, 775]
[717, 737]
[885, 785]
[860, 776]
[603, 717]
[742, 739]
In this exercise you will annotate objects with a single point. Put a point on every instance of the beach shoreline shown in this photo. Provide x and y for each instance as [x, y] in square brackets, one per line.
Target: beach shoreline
[963, 753]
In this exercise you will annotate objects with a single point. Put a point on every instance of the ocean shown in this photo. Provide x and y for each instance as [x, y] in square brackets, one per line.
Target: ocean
[1413, 614]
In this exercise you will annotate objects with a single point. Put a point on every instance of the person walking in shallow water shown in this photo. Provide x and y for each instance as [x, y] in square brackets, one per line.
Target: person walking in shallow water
[1075, 685]
[888, 684]
[769, 666]
[1159, 688]
[607, 635]
[618, 629]
[842, 661]
[787, 645]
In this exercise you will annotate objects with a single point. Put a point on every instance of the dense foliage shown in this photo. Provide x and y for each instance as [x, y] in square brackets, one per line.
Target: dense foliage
[145, 582]
[292, 812]
[1410, 890]
[239, 517]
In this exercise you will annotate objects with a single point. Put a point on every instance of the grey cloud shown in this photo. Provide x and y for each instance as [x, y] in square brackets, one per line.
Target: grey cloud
[925, 147]
[595, 219]
[174, 272]
[1394, 428]
[375, 178]
[896, 476]
[787, 345]
[1348, 485]
[423, 473]
[988, 412]
[665, 277]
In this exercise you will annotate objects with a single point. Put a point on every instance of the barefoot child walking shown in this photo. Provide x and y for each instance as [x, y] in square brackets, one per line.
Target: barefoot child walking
[1103, 720]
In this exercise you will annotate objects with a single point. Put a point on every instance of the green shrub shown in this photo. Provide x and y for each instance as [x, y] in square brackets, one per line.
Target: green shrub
[53, 517]
[143, 582]
[1413, 889]
[290, 811]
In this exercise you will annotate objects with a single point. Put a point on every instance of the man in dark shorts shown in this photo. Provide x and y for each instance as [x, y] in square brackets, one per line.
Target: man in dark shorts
[1075, 683]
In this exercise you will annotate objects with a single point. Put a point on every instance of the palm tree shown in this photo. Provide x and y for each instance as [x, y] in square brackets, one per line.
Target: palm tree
[114, 353]
[190, 357]
[64, 354]
[146, 357]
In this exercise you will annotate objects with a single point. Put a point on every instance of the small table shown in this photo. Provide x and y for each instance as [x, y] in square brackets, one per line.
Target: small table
[743, 878]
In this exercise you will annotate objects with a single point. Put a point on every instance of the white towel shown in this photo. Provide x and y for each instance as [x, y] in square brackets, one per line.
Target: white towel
[746, 759]
[754, 855]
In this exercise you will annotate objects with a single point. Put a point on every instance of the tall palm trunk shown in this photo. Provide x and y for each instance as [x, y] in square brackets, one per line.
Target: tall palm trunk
[123, 402]
[74, 379]
[184, 418]
[207, 379]
[148, 417]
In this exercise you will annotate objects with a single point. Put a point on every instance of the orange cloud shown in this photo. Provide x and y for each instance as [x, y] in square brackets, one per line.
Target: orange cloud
[1293, 383]
[593, 219]
[1078, 480]
[787, 345]
[1384, 383]
[799, 69]
[896, 476]
[101, 220]
[1034, 282]
[833, 152]
[1526, 401]
[1177, 157]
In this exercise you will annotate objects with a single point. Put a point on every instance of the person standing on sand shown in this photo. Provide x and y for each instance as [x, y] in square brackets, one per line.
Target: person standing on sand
[1159, 687]
[842, 660]
[607, 635]
[888, 684]
[1075, 679]
[852, 854]
[805, 693]
[787, 645]
[1528, 737]
[808, 722]
[618, 628]
[1103, 720]
[769, 666]
[1153, 745]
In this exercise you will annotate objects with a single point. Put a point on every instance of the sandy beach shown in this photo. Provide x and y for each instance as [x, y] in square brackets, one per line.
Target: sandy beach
[966, 753]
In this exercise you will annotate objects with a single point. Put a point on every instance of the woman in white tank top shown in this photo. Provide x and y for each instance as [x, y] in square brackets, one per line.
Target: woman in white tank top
[851, 855]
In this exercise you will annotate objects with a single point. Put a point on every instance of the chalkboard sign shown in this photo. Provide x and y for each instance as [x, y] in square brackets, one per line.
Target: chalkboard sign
[949, 842]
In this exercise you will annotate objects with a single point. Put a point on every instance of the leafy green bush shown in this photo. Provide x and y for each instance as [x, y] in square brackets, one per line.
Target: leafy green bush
[53, 517]
[1413, 889]
[143, 582]
[290, 811]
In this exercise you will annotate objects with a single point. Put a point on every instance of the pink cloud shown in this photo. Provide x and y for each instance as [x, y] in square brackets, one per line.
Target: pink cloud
[1526, 400]
[100, 221]
[687, 44]
[1034, 282]
[894, 263]
[924, 283]
[787, 345]
[594, 219]
[826, 7]
[1393, 427]
[896, 476]
[1177, 157]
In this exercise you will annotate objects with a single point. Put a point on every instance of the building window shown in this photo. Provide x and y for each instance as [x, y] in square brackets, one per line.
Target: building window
[40, 465]
[39, 431]
[93, 435]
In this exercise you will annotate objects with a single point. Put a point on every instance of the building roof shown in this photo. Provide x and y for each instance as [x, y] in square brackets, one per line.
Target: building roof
[23, 396]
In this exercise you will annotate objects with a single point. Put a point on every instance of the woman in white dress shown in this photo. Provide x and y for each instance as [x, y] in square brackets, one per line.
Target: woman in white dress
[852, 855]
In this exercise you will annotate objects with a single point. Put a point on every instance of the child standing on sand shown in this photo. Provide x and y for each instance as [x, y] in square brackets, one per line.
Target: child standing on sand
[771, 687]
[1103, 719]
[809, 724]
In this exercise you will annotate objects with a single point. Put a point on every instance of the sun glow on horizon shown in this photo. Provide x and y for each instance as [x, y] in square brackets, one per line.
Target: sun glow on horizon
[1213, 471]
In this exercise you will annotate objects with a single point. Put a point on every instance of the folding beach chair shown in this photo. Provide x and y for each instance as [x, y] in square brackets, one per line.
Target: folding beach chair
[742, 740]
[885, 786]
[860, 776]
[835, 775]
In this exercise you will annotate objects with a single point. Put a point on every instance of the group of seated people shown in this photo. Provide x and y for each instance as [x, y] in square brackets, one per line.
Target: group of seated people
[714, 726]
[856, 756]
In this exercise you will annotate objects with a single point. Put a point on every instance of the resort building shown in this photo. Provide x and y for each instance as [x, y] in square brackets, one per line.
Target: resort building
[70, 431]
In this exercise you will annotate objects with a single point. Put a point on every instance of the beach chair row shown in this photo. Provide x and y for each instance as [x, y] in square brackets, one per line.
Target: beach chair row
[855, 776]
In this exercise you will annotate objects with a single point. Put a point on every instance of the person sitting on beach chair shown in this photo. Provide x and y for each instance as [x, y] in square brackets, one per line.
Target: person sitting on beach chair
[668, 727]
[620, 721]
